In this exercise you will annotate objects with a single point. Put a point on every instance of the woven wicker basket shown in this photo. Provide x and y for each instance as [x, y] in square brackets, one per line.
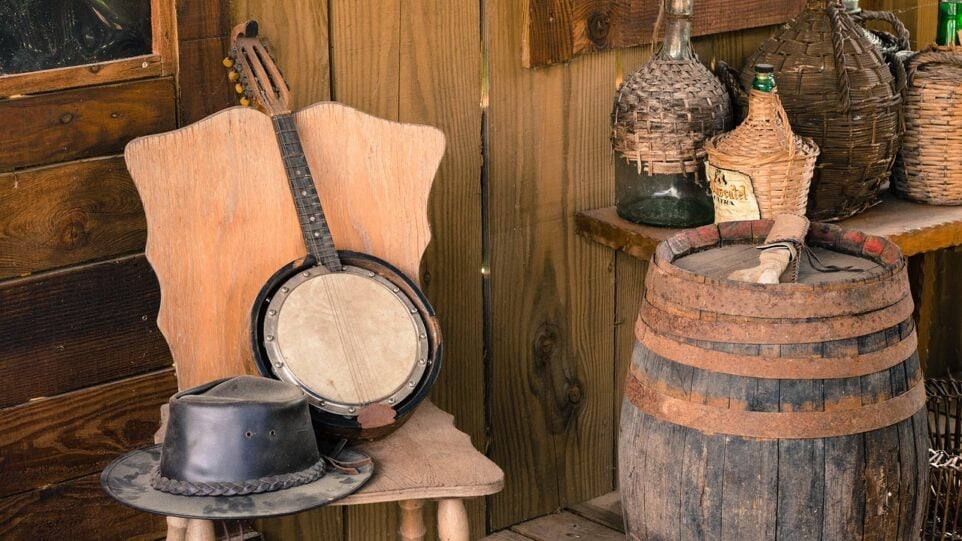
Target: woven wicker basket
[779, 163]
[837, 90]
[665, 111]
[931, 167]
[944, 507]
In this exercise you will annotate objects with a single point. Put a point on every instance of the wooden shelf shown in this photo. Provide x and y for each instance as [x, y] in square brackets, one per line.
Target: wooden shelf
[914, 227]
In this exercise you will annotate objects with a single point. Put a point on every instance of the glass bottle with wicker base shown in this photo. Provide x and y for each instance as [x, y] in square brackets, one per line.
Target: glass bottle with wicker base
[663, 114]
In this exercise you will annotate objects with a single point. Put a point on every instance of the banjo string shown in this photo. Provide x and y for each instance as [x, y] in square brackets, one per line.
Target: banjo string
[364, 389]
[332, 302]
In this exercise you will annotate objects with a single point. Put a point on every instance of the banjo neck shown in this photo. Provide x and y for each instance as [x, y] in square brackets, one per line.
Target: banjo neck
[317, 234]
[258, 77]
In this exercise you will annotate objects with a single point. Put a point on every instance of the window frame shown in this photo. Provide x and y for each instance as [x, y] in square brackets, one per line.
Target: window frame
[160, 62]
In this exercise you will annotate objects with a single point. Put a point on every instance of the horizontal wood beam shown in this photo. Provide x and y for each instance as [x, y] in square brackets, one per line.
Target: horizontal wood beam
[65, 330]
[76, 509]
[914, 227]
[56, 439]
[66, 214]
[557, 30]
[83, 122]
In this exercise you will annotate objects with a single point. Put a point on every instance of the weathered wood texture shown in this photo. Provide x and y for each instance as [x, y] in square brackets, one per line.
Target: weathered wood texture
[200, 19]
[566, 525]
[202, 85]
[51, 440]
[75, 509]
[297, 32]
[938, 294]
[69, 213]
[555, 30]
[53, 450]
[82, 326]
[551, 293]
[82, 122]
[916, 228]
[417, 61]
[770, 463]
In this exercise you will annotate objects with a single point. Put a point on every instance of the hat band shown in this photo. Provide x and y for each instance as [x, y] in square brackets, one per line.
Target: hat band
[228, 488]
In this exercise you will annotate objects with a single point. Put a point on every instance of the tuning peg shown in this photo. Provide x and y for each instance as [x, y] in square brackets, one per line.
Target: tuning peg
[244, 101]
[228, 62]
[233, 76]
[239, 88]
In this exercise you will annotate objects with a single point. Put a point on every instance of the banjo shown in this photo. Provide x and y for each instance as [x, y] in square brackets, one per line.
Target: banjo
[349, 329]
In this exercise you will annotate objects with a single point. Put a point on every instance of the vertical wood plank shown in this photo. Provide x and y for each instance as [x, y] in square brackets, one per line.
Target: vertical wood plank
[419, 62]
[202, 82]
[551, 291]
[366, 50]
[297, 32]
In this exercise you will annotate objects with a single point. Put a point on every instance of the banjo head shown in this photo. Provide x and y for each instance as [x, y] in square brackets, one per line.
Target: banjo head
[348, 339]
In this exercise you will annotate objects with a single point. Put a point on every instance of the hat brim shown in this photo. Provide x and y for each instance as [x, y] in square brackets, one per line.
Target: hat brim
[127, 480]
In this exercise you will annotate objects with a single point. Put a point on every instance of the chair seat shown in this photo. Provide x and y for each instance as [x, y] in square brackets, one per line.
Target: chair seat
[427, 458]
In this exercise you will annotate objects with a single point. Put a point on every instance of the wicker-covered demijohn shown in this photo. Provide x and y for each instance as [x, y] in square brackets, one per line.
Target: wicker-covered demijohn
[664, 113]
[838, 90]
[662, 116]
[777, 163]
[931, 168]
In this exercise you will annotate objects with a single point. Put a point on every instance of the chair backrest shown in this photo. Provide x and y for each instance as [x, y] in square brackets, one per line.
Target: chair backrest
[221, 221]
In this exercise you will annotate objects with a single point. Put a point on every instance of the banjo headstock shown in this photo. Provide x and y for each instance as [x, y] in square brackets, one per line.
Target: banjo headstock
[256, 77]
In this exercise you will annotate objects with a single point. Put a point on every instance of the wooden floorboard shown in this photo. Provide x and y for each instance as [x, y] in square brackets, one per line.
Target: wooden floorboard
[598, 519]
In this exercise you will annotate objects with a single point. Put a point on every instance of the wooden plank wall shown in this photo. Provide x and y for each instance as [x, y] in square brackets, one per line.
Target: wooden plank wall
[83, 367]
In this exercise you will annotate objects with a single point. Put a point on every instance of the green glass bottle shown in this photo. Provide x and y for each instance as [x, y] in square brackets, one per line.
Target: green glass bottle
[949, 15]
[764, 78]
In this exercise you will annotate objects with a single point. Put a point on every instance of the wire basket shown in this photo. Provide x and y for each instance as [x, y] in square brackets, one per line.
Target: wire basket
[944, 509]
[838, 90]
[930, 170]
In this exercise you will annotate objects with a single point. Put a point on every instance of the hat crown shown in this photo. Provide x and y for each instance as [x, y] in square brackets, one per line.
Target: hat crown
[238, 430]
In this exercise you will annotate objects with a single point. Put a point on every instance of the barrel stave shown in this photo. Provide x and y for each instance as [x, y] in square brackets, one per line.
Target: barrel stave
[678, 478]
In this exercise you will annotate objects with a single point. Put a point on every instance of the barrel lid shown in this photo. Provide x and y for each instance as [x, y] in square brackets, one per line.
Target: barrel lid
[713, 252]
[690, 274]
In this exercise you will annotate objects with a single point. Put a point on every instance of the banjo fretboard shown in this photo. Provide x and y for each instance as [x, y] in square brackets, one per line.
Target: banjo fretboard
[317, 234]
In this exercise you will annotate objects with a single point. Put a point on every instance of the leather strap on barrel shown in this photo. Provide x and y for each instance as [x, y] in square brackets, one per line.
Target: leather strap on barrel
[773, 425]
[697, 325]
[764, 367]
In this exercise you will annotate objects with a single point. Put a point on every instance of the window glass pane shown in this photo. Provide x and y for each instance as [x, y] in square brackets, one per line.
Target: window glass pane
[45, 34]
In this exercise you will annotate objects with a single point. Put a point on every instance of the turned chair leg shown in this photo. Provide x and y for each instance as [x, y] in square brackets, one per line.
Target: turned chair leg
[452, 520]
[412, 520]
[177, 528]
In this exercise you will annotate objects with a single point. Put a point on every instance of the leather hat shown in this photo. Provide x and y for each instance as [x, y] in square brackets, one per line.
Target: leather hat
[236, 448]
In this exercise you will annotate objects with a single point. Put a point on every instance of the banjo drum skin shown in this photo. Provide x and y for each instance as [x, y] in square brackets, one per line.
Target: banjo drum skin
[349, 329]
[365, 336]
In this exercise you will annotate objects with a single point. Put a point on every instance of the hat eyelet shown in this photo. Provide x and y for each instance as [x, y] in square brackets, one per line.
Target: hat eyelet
[248, 434]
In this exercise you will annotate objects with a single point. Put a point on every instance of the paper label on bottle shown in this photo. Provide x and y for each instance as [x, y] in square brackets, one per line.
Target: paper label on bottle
[733, 195]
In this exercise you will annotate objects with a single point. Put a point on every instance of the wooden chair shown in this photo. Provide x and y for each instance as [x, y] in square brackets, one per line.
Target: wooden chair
[221, 221]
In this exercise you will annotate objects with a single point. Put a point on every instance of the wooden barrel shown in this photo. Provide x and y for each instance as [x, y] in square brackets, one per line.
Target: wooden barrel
[788, 411]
